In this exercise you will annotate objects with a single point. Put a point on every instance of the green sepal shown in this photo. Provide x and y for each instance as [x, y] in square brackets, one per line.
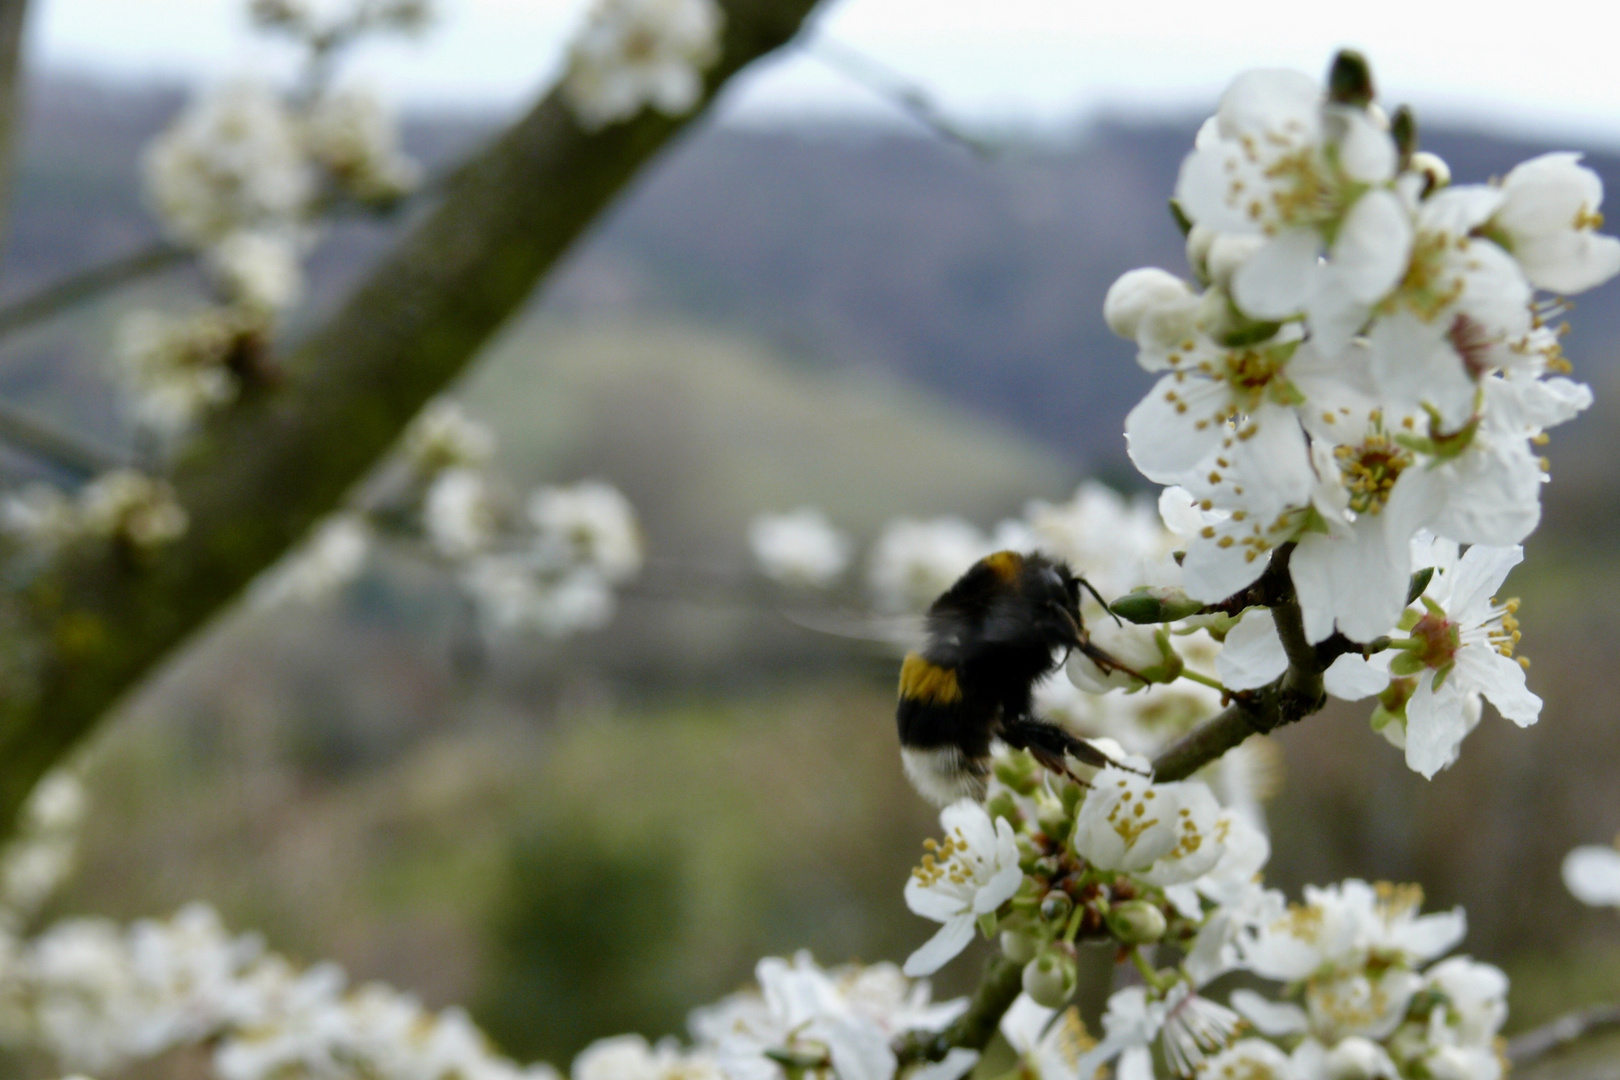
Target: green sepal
[1350, 80]
[1407, 663]
[1183, 222]
[1420, 582]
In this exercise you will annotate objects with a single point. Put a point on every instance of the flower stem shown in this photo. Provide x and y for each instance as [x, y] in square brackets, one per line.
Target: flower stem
[1199, 677]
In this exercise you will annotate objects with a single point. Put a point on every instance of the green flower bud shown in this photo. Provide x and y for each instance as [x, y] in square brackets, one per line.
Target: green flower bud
[1056, 906]
[1350, 80]
[1003, 805]
[1136, 922]
[1155, 605]
[1054, 822]
[1019, 772]
[1051, 977]
[1019, 946]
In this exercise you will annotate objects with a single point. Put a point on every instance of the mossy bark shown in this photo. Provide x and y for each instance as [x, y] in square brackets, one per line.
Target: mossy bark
[101, 620]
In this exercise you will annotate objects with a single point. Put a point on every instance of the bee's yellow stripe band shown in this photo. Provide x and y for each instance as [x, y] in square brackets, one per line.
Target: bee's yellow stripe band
[928, 683]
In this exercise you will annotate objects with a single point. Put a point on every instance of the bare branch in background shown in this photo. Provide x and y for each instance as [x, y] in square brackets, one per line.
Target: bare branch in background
[266, 471]
[892, 86]
[1541, 1041]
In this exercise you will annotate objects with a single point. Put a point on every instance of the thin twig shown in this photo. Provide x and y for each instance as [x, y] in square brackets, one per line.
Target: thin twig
[1538, 1042]
[892, 86]
[973, 1030]
[70, 453]
[88, 284]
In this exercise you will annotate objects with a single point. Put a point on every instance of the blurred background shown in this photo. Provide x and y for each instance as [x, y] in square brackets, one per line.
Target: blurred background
[811, 299]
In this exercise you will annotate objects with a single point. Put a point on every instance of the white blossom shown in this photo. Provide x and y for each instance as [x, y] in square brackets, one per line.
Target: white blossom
[356, 139]
[1162, 834]
[259, 268]
[589, 525]
[799, 548]
[231, 161]
[1547, 219]
[443, 436]
[1279, 161]
[636, 53]
[460, 513]
[127, 505]
[326, 562]
[1592, 875]
[912, 562]
[971, 872]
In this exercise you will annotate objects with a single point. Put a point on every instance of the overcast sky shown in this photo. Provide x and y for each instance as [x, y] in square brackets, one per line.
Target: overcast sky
[1551, 68]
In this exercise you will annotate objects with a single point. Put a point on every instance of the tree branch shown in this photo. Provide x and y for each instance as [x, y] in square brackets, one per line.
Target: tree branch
[1538, 1042]
[89, 283]
[973, 1030]
[71, 453]
[268, 469]
[13, 16]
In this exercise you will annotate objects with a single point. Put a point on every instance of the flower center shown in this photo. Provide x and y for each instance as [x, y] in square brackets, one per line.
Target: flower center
[945, 861]
[1430, 286]
[1303, 190]
[1370, 470]
[1438, 640]
[1473, 343]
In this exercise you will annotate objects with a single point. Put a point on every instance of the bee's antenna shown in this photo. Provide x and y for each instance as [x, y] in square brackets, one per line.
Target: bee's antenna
[1092, 589]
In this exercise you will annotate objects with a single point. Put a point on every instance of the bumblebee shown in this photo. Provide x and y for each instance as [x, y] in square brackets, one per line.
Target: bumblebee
[990, 638]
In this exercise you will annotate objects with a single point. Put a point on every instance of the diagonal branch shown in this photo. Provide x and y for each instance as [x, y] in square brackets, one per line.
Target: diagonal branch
[1541, 1041]
[271, 467]
[13, 18]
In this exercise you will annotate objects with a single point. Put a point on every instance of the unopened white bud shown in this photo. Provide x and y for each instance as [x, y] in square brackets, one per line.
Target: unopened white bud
[1228, 252]
[1433, 168]
[1357, 1058]
[1018, 946]
[1199, 238]
[1136, 294]
[1051, 977]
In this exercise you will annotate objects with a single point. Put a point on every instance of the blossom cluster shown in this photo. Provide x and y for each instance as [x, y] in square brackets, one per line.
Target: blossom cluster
[548, 563]
[242, 177]
[632, 54]
[1046, 867]
[1358, 374]
[100, 997]
[121, 506]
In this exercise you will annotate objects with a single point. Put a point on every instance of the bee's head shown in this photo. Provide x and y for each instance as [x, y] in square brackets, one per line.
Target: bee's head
[1051, 594]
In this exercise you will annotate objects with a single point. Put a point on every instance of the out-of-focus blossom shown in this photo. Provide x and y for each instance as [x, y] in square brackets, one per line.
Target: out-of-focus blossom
[635, 53]
[799, 548]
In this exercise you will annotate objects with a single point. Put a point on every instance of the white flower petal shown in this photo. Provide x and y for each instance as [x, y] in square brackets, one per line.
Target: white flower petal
[1501, 680]
[1374, 243]
[1353, 677]
[1252, 655]
[1592, 875]
[942, 948]
[1275, 1018]
[1436, 724]
[1277, 281]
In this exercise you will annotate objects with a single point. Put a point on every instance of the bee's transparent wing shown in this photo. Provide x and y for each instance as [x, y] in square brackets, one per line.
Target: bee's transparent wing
[896, 633]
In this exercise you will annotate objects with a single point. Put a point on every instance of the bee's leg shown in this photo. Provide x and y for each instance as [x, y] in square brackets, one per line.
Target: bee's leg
[1106, 660]
[1050, 745]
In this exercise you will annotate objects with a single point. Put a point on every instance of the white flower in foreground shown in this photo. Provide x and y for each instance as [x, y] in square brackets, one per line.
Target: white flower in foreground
[1280, 162]
[460, 513]
[589, 525]
[231, 161]
[799, 548]
[635, 53]
[1253, 654]
[1193, 1029]
[912, 562]
[849, 1014]
[1048, 1043]
[1461, 648]
[1592, 875]
[1163, 834]
[1249, 1059]
[971, 872]
[630, 1057]
[443, 436]
[1548, 218]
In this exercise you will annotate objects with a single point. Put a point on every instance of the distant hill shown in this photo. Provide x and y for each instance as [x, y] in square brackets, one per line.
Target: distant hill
[845, 247]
